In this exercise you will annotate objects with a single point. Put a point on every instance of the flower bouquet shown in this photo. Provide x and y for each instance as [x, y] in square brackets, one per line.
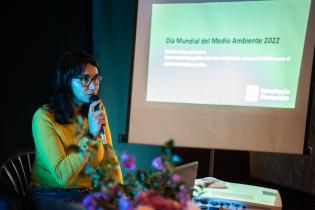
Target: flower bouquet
[156, 189]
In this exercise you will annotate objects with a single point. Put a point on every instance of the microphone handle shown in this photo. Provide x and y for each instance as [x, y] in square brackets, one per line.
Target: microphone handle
[103, 136]
[102, 131]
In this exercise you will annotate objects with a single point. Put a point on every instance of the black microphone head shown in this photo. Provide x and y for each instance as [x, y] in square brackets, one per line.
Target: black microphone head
[94, 98]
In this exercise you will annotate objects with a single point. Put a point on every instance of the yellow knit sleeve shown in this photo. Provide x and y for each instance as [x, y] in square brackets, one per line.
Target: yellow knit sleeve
[63, 166]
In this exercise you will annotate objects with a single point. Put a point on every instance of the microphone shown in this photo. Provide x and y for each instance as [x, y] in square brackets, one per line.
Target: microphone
[92, 99]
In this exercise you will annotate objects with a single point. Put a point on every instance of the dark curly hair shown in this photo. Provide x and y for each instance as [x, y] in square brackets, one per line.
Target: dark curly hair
[70, 65]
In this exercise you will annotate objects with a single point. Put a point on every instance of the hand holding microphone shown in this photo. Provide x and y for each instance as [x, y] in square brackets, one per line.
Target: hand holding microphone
[96, 118]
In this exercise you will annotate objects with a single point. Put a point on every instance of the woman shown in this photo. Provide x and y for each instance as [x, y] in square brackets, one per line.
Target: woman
[58, 180]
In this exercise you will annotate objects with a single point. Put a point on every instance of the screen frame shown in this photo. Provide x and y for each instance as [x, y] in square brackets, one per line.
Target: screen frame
[307, 47]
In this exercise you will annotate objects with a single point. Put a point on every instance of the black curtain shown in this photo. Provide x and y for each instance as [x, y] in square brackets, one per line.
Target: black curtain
[34, 35]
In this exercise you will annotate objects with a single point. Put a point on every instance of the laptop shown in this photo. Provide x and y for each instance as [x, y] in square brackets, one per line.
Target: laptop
[188, 172]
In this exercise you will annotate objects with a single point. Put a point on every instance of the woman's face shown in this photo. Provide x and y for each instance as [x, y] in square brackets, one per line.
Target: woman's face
[85, 85]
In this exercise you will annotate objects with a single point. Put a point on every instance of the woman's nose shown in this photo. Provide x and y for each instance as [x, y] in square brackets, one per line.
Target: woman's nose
[92, 86]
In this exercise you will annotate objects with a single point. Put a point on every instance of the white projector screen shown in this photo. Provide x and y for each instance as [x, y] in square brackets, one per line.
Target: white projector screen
[229, 75]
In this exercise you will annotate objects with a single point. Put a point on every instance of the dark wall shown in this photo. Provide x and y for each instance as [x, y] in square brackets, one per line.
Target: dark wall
[228, 165]
[34, 35]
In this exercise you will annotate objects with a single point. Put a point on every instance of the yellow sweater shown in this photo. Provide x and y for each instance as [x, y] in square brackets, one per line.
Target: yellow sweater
[57, 167]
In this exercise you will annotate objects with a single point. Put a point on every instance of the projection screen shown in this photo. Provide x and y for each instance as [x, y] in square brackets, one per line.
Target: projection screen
[229, 75]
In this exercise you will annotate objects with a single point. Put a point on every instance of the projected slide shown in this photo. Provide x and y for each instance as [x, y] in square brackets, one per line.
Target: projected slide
[245, 53]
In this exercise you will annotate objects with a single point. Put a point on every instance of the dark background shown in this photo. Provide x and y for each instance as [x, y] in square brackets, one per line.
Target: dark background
[34, 35]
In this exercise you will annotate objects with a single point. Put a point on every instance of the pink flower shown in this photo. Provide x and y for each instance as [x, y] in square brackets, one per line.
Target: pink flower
[144, 207]
[158, 164]
[190, 205]
[176, 178]
[156, 201]
[183, 197]
[128, 161]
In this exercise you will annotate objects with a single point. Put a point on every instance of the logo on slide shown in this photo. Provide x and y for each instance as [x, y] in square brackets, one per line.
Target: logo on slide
[252, 93]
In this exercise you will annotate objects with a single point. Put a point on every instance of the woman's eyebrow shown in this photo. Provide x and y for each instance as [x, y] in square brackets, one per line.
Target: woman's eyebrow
[88, 75]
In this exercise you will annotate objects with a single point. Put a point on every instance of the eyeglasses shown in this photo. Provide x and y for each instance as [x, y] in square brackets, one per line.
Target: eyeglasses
[86, 80]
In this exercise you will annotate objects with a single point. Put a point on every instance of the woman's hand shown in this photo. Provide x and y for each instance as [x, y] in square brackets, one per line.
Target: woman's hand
[96, 118]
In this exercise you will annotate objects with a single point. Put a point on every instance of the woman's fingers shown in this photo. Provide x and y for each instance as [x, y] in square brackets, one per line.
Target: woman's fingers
[93, 106]
[100, 117]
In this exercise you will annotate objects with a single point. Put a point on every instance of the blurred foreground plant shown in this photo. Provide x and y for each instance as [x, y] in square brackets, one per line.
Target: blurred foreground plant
[156, 189]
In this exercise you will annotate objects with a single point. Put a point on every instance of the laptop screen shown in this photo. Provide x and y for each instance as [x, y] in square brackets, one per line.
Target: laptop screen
[188, 172]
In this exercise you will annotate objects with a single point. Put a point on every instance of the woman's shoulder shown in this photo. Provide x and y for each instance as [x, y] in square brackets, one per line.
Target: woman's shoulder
[43, 112]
